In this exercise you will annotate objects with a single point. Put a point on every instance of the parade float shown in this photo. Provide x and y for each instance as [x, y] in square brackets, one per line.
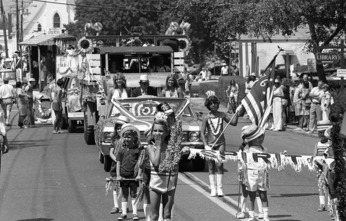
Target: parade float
[101, 57]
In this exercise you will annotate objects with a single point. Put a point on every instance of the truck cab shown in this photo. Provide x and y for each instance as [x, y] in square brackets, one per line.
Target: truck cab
[156, 61]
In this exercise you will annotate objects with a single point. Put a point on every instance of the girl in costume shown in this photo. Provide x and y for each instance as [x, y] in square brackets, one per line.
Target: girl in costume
[164, 154]
[319, 163]
[213, 139]
[116, 145]
[255, 173]
[127, 159]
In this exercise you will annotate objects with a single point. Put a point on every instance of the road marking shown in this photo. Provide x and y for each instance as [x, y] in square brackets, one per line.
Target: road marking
[182, 177]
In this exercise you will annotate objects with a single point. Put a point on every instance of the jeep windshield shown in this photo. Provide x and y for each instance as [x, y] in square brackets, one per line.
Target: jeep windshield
[151, 59]
[145, 107]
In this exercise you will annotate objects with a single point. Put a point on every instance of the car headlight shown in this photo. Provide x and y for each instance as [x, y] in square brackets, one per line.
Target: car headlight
[107, 137]
[194, 136]
[185, 136]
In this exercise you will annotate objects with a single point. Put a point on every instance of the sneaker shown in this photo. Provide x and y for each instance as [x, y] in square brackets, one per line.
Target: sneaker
[55, 132]
[266, 219]
[321, 208]
[135, 217]
[242, 215]
[253, 219]
[114, 210]
[122, 217]
[60, 131]
[260, 215]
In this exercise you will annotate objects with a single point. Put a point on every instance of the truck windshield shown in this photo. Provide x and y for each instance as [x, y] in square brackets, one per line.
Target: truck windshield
[139, 63]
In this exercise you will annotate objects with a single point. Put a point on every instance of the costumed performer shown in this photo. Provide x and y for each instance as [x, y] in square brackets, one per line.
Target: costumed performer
[116, 145]
[164, 152]
[127, 159]
[255, 173]
[213, 139]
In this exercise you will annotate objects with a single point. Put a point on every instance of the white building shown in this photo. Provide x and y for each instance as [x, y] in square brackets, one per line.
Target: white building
[43, 17]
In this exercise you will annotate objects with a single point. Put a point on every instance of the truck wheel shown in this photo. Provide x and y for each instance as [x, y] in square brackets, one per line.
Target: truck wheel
[88, 132]
[198, 164]
[101, 158]
[72, 126]
[107, 163]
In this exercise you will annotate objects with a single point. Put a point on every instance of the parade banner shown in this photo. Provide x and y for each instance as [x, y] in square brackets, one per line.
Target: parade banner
[274, 160]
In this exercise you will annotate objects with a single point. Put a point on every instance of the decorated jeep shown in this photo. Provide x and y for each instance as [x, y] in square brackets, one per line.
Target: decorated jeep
[142, 111]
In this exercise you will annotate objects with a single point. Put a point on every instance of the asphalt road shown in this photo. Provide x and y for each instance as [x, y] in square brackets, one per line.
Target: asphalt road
[49, 176]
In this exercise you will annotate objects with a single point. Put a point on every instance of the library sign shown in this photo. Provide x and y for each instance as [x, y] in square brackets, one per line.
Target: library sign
[328, 57]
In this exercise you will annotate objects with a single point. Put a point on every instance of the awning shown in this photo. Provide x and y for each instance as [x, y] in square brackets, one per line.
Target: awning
[47, 39]
[136, 50]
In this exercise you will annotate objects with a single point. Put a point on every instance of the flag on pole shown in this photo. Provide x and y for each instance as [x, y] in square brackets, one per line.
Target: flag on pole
[258, 101]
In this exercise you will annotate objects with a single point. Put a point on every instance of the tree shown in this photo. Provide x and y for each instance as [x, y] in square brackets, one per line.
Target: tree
[119, 16]
[325, 20]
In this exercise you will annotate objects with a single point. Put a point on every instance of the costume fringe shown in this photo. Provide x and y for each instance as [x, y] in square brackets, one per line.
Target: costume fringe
[276, 161]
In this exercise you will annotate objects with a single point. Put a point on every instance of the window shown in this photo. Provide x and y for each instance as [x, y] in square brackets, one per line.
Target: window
[39, 27]
[56, 21]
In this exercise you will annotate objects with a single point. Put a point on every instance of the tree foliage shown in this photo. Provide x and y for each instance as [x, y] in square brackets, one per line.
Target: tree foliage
[119, 16]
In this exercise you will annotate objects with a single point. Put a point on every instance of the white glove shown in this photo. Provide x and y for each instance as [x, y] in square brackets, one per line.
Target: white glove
[239, 108]
[207, 147]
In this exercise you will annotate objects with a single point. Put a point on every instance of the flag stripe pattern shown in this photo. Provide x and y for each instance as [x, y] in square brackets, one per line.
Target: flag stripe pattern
[259, 99]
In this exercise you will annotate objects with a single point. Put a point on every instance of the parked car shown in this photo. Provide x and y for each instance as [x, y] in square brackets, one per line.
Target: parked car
[8, 72]
[144, 108]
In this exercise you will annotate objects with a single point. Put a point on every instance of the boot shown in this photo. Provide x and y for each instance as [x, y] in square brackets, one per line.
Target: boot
[212, 184]
[219, 184]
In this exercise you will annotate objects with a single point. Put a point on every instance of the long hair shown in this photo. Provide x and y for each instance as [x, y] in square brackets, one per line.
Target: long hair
[175, 82]
[119, 76]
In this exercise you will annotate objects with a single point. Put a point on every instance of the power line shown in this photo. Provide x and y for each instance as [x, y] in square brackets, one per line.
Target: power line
[96, 6]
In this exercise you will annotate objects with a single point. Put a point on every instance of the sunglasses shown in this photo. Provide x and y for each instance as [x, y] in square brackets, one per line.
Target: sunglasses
[143, 83]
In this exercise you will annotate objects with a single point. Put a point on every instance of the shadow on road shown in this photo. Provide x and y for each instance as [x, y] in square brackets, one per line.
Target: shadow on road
[24, 144]
[295, 195]
[36, 219]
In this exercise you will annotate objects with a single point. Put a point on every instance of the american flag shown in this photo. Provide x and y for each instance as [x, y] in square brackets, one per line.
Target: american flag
[258, 101]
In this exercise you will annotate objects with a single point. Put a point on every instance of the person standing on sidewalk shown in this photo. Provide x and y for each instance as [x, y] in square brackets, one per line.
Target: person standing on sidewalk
[30, 93]
[7, 96]
[22, 105]
[255, 172]
[214, 139]
[57, 105]
[315, 110]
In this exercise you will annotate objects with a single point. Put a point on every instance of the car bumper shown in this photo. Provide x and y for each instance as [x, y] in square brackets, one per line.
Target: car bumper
[104, 148]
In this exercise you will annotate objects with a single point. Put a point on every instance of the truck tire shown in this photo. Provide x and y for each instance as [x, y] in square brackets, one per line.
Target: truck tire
[101, 158]
[88, 132]
[107, 163]
[72, 126]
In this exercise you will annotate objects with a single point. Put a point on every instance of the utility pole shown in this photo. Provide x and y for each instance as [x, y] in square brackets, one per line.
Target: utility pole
[17, 24]
[21, 22]
[4, 26]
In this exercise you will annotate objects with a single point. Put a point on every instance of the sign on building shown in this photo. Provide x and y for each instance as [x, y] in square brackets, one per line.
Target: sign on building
[328, 57]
